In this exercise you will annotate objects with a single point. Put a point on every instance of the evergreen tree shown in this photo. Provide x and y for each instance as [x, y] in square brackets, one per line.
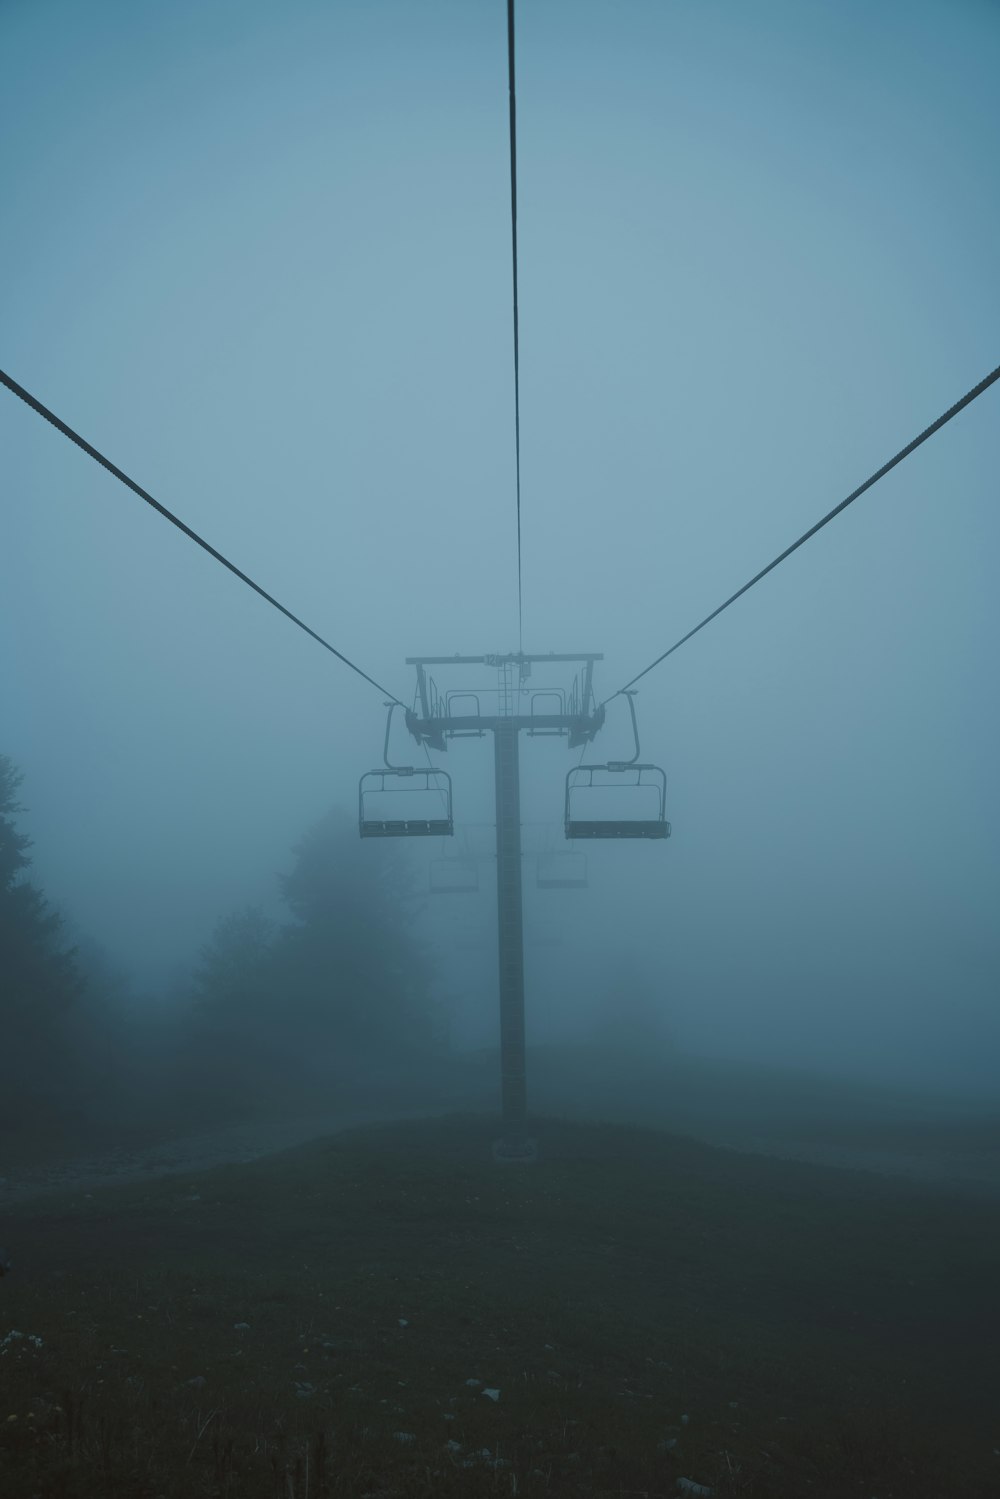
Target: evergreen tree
[353, 967]
[39, 980]
[234, 979]
[13, 844]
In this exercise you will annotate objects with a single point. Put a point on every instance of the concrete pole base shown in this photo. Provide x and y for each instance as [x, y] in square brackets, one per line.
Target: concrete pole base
[515, 1151]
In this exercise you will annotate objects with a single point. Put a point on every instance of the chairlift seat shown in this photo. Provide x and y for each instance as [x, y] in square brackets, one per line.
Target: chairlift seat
[629, 828]
[407, 827]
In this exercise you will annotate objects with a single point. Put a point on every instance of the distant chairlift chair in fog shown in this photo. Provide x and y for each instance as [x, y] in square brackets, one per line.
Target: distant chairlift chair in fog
[562, 870]
[453, 874]
[643, 784]
[434, 795]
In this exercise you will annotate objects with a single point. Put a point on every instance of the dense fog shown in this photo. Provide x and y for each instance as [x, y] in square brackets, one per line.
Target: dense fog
[259, 256]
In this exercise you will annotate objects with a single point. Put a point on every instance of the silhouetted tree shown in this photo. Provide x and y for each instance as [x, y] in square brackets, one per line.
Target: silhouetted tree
[39, 980]
[633, 1017]
[352, 965]
[336, 996]
[234, 979]
[13, 844]
[232, 1049]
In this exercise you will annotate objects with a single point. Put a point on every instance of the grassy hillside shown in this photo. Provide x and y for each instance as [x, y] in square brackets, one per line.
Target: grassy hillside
[647, 1308]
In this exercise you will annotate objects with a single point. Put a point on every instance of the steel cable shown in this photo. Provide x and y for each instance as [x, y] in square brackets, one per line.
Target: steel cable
[967, 399]
[174, 520]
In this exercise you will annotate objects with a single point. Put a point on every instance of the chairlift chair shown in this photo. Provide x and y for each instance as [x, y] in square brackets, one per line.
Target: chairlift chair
[436, 787]
[644, 784]
[647, 778]
[453, 876]
[562, 870]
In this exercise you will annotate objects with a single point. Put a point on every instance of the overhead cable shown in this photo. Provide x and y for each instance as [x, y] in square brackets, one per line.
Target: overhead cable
[513, 239]
[966, 400]
[174, 520]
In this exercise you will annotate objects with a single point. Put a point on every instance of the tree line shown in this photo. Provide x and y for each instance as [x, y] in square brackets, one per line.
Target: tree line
[312, 1008]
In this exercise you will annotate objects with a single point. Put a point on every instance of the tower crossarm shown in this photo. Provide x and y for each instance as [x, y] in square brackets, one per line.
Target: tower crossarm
[433, 719]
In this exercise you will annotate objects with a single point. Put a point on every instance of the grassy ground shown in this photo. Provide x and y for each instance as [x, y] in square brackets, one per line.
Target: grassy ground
[702, 1094]
[724, 1103]
[648, 1309]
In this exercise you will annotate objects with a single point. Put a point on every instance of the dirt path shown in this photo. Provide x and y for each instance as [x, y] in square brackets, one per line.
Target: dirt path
[968, 1172]
[199, 1152]
[975, 1172]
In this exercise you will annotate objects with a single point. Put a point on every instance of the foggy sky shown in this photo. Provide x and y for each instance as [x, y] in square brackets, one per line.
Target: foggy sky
[259, 255]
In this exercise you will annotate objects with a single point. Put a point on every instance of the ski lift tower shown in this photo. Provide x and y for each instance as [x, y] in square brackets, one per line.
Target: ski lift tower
[423, 805]
[505, 707]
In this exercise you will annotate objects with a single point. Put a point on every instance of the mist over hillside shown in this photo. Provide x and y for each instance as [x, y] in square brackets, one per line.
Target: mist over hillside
[497, 635]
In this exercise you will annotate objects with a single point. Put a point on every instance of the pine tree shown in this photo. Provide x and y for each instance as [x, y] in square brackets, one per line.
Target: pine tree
[38, 976]
[354, 968]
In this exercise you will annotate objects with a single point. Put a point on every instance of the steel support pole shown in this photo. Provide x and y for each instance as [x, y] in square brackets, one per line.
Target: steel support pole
[514, 1144]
